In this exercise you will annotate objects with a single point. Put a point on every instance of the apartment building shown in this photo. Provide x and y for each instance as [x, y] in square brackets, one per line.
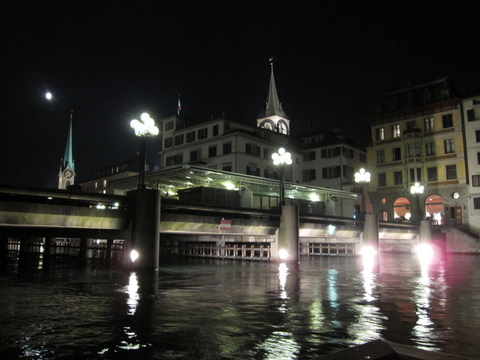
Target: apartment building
[471, 121]
[417, 137]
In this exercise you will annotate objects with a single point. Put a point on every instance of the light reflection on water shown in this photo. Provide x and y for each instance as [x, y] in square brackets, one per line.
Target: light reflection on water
[207, 309]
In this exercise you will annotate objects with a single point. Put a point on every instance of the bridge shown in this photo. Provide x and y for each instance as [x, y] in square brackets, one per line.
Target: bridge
[91, 225]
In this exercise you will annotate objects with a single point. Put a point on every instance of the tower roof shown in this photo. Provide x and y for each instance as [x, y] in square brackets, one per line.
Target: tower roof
[68, 157]
[273, 106]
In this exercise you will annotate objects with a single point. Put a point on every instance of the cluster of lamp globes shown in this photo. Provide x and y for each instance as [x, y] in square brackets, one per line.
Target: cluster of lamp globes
[282, 158]
[145, 127]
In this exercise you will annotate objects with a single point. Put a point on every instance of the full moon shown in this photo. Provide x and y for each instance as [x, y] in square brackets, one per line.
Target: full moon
[48, 96]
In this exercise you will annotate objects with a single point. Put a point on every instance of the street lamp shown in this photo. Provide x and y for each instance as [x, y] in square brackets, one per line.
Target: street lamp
[143, 129]
[363, 177]
[282, 158]
[416, 190]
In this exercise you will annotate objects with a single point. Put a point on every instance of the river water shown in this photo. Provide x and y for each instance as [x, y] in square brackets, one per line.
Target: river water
[216, 309]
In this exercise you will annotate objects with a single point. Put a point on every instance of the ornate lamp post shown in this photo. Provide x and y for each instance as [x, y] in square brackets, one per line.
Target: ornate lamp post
[282, 158]
[416, 190]
[363, 177]
[143, 129]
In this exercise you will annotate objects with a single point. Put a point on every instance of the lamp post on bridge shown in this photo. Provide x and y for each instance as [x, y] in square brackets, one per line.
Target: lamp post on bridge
[144, 128]
[282, 158]
[416, 190]
[363, 177]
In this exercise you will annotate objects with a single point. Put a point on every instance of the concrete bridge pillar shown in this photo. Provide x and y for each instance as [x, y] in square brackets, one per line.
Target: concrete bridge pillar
[287, 248]
[3, 250]
[145, 229]
[370, 231]
[425, 232]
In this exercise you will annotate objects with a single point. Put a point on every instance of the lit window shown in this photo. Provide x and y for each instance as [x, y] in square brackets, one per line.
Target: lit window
[429, 124]
[449, 146]
[396, 131]
[380, 133]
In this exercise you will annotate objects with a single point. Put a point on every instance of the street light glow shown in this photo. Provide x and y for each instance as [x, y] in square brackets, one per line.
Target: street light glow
[362, 176]
[281, 158]
[417, 189]
[145, 127]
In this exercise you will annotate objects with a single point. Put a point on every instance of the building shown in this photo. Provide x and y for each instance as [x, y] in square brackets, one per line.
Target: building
[417, 137]
[330, 160]
[471, 122]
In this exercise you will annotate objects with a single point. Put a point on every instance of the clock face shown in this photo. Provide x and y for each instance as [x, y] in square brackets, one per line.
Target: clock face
[455, 195]
[68, 174]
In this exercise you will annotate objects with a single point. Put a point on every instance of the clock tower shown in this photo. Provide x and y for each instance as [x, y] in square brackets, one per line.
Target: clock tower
[272, 116]
[66, 175]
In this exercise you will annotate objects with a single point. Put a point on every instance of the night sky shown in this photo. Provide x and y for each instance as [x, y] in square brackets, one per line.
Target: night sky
[110, 61]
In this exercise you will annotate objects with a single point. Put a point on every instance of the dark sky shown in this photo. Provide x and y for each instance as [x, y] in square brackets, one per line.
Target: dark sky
[109, 61]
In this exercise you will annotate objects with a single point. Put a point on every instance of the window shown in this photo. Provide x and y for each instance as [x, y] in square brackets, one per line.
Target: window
[215, 130]
[477, 135]
[168, 142]
[476, 203]
[227, 167]
[471, 115]
[380, 156]
[227, 148]
[430, 148]
[380, 134]
[447, 121]
[413, 150]
[309, 175]
[396, 130]
[194, 155]
[202, 133]
[397, 154]
[168, 125]
[212, 151]
[451, 171]
[252, 149]
[331, 172]
[382, 179]
[252, 169]
[397, 178]
[415, 174]
[478, 158]
[362, 157]
[475, 180]
[449, 146]
[432, 174]
[329, 153]
[175, 159]
[348, 153]
[429, 124]
[411, 125]
[179, 139]
[309, 156]
[190, 136]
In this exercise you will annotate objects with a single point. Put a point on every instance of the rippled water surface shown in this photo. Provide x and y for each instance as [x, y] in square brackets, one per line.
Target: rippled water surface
[203, 309]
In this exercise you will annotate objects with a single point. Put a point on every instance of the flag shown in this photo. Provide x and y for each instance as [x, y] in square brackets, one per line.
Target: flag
[179, 106]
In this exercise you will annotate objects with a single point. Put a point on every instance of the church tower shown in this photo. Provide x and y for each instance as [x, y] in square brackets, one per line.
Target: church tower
[272, 116]
[66, 175]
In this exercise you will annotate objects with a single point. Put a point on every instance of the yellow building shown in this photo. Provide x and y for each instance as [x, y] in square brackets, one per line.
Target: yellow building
[417, 137]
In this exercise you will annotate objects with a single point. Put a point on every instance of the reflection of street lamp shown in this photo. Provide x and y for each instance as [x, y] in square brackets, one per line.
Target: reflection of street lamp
[143, 129]
[416, 190]
[363, 177]
[282, 159]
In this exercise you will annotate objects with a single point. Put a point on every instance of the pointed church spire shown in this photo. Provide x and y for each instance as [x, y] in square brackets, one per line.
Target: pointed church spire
[273, 106]
[68, 158]
[66, 175]
[272, 116]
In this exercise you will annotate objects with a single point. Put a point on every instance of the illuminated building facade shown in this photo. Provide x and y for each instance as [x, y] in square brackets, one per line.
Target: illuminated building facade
[417, 137]
[471, 120]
